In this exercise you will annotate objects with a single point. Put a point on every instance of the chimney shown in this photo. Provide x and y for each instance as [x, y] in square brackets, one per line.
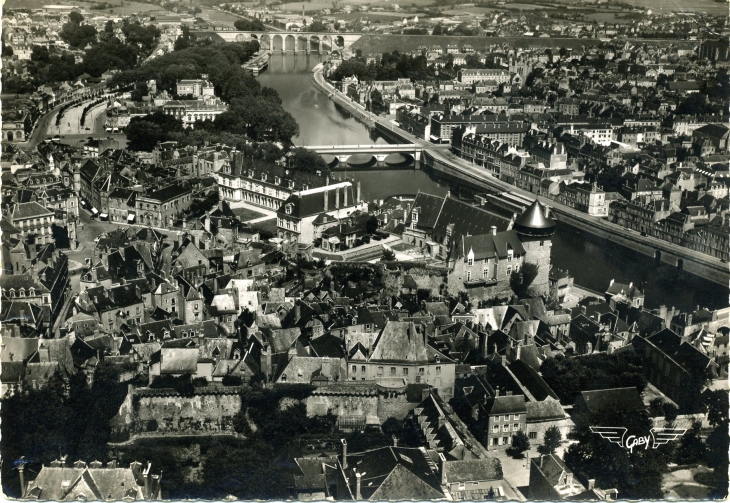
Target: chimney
[359, 193]
[21, 469]
[146, 476]
[344, 454]
[337, 198]
[207, 222]
[496, 391]
[22, 317]
[344, 193]
[591, 484]
[358, 478]
[395, 441]
[112, 463]
[442, 458]
[611, 283]
[326, 199]
[297, 312]
[494, 230]
[448, 194]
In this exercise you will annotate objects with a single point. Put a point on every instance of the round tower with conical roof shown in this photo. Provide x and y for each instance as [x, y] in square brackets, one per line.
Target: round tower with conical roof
[535, 229]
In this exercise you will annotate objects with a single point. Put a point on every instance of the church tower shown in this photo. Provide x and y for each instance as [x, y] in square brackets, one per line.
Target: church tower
[535, 230]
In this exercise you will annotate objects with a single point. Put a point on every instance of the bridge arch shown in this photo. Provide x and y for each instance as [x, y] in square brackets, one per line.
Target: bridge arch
[277, 43]
[397, 160]
[302, 43]
[361, 160]
[657, 258]
[265, 41]
[242, 37]
[680, 264]
[340, 41]
[315, 44]
[290, 43]
[327, 44]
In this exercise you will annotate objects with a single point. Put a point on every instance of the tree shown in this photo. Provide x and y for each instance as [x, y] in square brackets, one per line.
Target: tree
[78, 35]
[308, 161]
[371, 226]
[249, 25]
[317, 26]
[377, 105]
[388, 255]
[143, 133]
[437, 30]
[520, 444]
[551, 440]
[75, 17]
[521, 280]
[691, 448]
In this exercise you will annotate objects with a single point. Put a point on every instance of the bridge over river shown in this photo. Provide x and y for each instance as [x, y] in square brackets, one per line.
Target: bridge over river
[286, 41]
[379, 155]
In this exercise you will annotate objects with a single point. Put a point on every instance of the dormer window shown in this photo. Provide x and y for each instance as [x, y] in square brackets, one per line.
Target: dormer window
[21, 292]
[31, 292]
[288, 209]
[277, 180]
[263, 177]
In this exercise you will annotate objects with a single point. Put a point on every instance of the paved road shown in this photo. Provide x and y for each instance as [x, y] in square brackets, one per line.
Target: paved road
[479, 174]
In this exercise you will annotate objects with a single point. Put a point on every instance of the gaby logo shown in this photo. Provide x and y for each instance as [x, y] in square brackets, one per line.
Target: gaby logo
[656, 437]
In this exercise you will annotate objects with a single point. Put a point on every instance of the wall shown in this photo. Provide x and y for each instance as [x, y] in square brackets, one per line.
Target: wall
[539, 428]
[380, 405]
[165, 411]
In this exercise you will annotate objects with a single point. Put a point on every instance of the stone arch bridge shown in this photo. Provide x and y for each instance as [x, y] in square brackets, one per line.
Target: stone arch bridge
[290, 41]
[369, 155]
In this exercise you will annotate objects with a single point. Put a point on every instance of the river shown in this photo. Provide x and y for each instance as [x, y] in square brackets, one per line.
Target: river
[593, 261]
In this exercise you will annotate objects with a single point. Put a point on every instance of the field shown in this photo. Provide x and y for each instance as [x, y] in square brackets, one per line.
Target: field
[706, 6]
[387, 43]
[244, 214]
[127, 8]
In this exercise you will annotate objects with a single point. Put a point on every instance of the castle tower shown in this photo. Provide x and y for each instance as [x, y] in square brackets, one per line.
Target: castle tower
[535, 229]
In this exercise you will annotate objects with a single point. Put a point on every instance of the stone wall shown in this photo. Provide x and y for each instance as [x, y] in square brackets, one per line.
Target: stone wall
[145, 411]
[370, 404]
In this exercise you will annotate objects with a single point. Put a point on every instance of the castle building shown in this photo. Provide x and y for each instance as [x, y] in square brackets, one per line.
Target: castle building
[483, 264]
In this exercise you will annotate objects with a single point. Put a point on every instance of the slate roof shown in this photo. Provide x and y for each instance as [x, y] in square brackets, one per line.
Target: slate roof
[308, 204]
[178, 360]
[473, 470]
[399, 341]
[23, 211]
[104, 484]
[487, 246]
[612, 399]
[685, 354]
[168, 193]
[514, 404]
[530, 379]
[393, 473]
[545, 410]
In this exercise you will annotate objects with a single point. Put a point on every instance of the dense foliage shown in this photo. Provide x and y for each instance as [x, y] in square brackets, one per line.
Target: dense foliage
[390, 66]
[249, 25]
[70, 419]
[77, 35]
[253, 111]
[569, 376]
[637, 474]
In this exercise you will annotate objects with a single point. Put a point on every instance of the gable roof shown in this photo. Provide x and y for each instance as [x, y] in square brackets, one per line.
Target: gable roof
[601, 400]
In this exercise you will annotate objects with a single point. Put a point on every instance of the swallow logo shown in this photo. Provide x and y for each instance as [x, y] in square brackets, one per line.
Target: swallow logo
[656, 437]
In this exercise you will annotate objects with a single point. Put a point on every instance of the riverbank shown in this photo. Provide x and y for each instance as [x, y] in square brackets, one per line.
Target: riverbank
[460, 171]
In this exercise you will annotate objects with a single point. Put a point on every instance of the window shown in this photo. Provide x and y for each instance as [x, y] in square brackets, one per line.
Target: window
[485, 272]
[420, 371]
[505, 440]
[405, 371]
[380, 371]
[517, 267]
[495, 441]
[516, 417]
[354, 369]
[495, 428]
[509, 270]
[392, 371]
[515, 426]
[362, 369]
[470, 262]
[505, 427]
[438, 369]
[532, 435]
[468, 275]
